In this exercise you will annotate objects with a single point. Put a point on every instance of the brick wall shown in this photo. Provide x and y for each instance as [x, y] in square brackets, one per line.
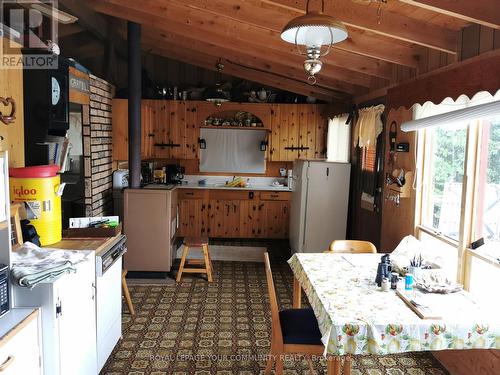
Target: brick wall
[97, 145]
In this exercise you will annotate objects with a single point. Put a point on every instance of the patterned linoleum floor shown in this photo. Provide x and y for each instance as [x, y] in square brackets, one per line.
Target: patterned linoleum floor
[223, 328]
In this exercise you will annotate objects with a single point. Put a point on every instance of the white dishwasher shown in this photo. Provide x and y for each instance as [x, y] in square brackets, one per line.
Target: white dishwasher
[109, 299]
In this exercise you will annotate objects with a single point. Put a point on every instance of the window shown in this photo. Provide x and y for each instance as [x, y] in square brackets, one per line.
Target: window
[459, 194]
[487, 223]
[445, 173]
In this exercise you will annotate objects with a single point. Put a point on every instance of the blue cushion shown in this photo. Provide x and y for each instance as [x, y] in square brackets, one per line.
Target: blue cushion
[299, 326]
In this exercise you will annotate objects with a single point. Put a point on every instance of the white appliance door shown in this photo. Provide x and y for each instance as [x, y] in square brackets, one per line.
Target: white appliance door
[327, 204]
[77, 321]
[298, 205]
[109, 311]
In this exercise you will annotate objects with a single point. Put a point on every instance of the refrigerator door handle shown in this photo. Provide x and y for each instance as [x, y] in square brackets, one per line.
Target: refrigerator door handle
[327, 172]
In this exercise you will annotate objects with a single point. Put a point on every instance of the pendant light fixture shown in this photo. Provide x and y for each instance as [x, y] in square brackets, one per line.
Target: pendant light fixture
[314, 30]
[215, 94]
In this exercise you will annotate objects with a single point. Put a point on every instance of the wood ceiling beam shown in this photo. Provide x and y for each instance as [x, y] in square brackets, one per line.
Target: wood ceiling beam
[394, 25]
[283, 67]
[361, 43]
[483, 12]
[208, 62]
[220, 45]
[219, 30]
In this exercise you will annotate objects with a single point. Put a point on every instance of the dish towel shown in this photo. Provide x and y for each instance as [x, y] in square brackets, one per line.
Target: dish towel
[32, 265]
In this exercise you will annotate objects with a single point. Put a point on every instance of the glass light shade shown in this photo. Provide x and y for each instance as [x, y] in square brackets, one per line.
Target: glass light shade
[314, 30]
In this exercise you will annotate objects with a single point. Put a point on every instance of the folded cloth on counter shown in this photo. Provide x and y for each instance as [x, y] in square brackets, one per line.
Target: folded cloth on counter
[32, 265]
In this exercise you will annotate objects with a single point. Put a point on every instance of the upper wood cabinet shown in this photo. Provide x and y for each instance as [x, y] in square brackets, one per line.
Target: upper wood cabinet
[168, 130]
[298, 131]
[171, 129]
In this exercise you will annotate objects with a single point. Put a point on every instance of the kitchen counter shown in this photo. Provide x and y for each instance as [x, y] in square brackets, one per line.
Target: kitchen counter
[216, 187]
[97, 244]
[15, 319]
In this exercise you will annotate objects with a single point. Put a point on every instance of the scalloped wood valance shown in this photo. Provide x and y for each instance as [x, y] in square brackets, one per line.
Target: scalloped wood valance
[481, 73]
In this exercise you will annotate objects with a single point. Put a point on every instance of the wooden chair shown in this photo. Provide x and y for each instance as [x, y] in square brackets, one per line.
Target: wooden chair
[201, 242]
[126, 293]
[294, 331]
[351, 246]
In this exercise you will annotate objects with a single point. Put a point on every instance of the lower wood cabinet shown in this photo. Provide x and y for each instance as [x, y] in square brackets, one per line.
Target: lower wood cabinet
[193, 212]
[233, 214]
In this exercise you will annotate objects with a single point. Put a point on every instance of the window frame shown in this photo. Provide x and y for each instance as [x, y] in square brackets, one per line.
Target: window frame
[468, 204]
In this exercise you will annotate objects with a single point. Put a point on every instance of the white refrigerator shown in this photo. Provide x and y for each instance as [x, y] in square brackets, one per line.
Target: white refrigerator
[320, 202]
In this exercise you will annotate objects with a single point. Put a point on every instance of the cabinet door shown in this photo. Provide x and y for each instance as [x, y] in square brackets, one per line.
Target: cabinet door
[307, 130]
[76, 321]
[161, 129]
[224, 218]
[120, 129]
[251, 224]
[276, 217]
[193, 217]
[21, 353]
[321, 129]
[192, 132]
[147, 130]
[177, 121]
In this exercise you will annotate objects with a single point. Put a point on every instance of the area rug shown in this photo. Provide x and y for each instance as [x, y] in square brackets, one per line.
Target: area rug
[223, 328]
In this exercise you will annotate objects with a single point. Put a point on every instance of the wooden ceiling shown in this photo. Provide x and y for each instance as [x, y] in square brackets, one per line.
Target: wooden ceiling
[246, 35]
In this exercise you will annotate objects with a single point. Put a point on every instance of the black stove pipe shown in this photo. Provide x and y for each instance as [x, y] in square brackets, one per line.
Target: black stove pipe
[134, 104]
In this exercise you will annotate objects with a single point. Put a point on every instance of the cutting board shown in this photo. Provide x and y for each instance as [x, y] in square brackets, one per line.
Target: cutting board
[423, 312]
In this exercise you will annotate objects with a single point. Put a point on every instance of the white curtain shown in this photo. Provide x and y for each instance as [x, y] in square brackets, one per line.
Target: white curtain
[368, 126]
[338, 139]
[233, 151]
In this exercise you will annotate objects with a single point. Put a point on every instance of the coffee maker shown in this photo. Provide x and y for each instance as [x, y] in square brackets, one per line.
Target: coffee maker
[175, 174]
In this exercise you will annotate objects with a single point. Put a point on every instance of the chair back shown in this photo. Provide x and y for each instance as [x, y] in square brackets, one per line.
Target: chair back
[351, 246]
[275, 316]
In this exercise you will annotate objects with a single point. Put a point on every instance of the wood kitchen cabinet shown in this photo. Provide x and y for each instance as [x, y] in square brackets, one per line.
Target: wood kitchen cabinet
[234, 213]
[120, 129]
[298, 131]
[275, 214]
[170, 129]
[252, 224]
[224, 218]
[193, 212]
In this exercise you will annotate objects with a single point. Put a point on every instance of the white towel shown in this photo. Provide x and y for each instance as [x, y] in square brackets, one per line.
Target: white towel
[32, 265]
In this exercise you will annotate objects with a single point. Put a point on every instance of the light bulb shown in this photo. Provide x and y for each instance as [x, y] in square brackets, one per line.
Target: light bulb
[313, 37]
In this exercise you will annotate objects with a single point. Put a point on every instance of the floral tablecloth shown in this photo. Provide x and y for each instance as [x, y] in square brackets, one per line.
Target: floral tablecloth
[356, 317]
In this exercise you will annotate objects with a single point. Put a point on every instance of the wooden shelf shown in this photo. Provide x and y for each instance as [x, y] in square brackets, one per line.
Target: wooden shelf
[237, 127]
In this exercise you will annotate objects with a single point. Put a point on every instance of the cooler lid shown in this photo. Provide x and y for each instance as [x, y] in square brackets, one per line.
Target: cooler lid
[36, 171]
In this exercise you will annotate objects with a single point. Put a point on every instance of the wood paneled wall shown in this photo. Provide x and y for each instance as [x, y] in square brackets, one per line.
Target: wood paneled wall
[473, 41]
[398, 220]
[11, 85]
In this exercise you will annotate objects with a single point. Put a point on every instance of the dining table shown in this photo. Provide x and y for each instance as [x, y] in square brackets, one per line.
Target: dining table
[356, 317]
